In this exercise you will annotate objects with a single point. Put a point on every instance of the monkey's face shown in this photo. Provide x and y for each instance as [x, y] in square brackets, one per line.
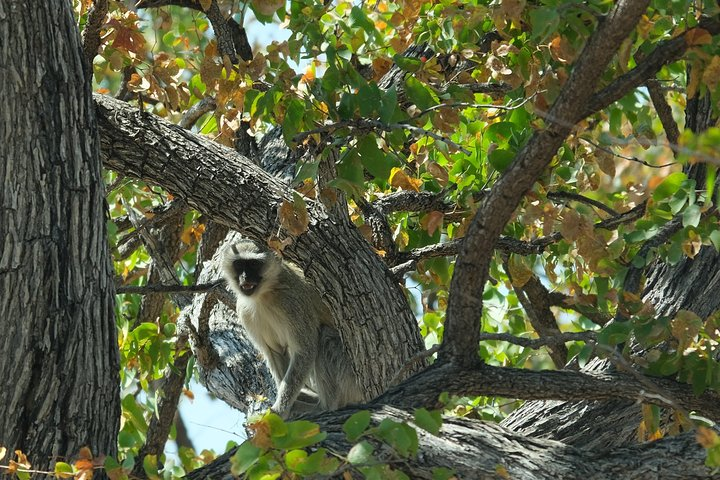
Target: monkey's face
[248, 274]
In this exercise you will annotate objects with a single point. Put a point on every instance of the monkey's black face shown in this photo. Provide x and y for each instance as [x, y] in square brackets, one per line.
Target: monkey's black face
[249, 274]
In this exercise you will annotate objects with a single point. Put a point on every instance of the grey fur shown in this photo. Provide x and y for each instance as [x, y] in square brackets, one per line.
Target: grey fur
[289, 323]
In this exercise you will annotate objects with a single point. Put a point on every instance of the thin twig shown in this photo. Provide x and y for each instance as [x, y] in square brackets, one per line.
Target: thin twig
[664, 111]
[544, 341]
[478, 106]
[624, 157]
[148, 289]
[367, 124]
[410, 364]
[583, 199]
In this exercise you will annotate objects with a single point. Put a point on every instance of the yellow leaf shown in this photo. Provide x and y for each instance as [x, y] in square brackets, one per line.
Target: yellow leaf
[519, 272]
[205, 4]
[3, 452]
[399, 179]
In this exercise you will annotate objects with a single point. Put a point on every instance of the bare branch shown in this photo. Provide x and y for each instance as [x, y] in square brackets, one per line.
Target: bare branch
[625, 157]
[543, 341]
[193, 114]
[147, 289]
[365, 124]
[409, 201]
[419, 358]
[664, 111]
[478, 106]
[583, 199]
[535, 300]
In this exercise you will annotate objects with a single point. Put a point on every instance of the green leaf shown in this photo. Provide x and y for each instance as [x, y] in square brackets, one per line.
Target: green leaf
[293, 119]
[501, 158]
[615, 333]
[346, 108]
[715, 239]
[544, 20]
[402, 437]
[359, 18]
[430, 421]
[373, 159]
[361, 453]
[388, 105]
[442, 473]
[62, 470]
[150, 466]
[691, 216]
[419, 93]
[356, 425]
[245, 457]
[669, 186]
[368, 98]
[407, 63]
[299, 434]
[300, 462]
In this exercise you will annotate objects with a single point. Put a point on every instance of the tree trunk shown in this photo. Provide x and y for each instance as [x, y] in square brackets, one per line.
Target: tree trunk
[58, 349]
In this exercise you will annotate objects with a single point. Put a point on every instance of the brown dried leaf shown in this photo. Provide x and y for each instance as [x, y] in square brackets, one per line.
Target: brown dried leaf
[267, 7]
[698, 36]
[606, 162]
[438, 172]
[294, 216]
[685, 326]
[432, 221]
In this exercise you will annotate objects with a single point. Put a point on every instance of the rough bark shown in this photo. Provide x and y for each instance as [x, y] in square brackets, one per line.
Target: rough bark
[234, 191]
[59, 365]
[481, 450]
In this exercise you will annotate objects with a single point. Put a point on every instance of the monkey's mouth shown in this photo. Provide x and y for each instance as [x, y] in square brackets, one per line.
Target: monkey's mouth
[248, 287]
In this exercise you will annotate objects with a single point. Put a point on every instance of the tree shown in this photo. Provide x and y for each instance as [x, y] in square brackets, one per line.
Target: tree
[427, 133]
[60, 365]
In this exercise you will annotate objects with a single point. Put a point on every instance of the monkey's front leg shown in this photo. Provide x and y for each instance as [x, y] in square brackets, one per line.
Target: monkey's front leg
[294, 380]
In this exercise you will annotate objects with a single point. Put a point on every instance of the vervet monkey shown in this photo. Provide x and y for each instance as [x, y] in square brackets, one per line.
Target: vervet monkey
[290, 325]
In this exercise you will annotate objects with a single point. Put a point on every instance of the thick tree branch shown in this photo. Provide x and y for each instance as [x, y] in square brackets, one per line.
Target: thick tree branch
[471, 271]
[424, 388]
[479, 450]
[232, 190]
